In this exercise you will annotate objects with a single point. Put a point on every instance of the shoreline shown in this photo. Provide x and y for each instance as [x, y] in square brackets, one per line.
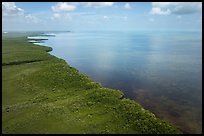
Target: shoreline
[123, 96]
[112, 100]
[184, 124]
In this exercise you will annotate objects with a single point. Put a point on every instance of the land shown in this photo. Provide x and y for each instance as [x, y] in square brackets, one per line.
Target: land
[43, 94]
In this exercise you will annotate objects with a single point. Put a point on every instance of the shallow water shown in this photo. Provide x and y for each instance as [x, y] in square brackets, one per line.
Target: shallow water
[160, 70]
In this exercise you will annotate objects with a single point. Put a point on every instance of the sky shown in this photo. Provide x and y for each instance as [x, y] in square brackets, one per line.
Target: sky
[79, 16]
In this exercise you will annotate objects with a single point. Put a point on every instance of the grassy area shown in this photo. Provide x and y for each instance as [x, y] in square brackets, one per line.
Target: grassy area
[43, 94]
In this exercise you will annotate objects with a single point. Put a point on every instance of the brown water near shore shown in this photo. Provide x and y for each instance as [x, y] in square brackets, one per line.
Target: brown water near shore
[184, 117]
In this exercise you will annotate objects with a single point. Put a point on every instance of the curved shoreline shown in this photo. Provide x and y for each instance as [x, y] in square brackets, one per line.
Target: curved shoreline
[122, 110]
[122, 97]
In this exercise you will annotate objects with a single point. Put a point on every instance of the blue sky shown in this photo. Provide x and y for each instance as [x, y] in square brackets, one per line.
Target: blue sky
[76, 16]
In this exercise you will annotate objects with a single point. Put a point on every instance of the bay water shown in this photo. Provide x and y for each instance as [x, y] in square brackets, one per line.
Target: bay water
[161, 70]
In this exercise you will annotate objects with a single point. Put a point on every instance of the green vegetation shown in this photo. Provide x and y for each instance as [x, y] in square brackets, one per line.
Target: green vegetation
[43, 94]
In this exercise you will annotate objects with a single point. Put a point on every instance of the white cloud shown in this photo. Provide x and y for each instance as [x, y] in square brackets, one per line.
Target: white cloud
[30, 18]
[83, 13]
[151, 20]
[125, 18]
[179, 16]
[10, 9]
[62, 17]
[187, 8]
[98, 4]
[158, 11]
[56, 16]
[175, 8]
[71, 6]
[63, 6]
[163, 4]
[127, 6]
[105, 17]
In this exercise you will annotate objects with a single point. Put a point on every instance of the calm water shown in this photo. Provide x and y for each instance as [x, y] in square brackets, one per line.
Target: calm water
[160, 70]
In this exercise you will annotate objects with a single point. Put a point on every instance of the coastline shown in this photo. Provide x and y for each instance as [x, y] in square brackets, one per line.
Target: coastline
[65, 82]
